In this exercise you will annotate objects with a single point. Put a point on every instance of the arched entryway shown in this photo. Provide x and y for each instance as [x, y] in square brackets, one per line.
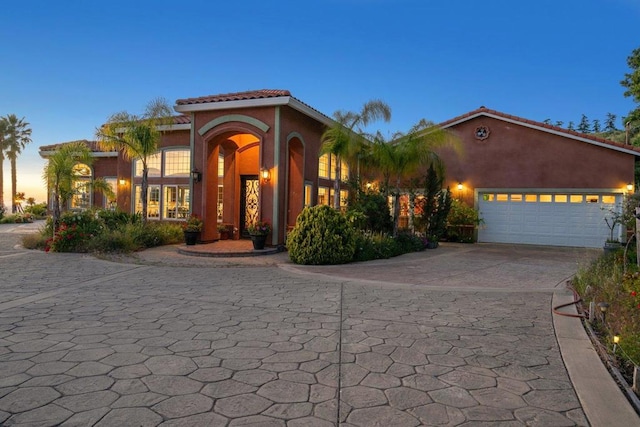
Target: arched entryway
[231, 183]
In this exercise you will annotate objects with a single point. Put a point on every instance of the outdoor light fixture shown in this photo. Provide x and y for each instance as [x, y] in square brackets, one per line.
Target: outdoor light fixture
[265, 175]
[123, 182]
[196, 175]
[603, 309]
[459, 186]
[629, 187]
[616, 340]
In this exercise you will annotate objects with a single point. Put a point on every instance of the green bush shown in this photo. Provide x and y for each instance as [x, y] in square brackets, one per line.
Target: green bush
[113, 219]
[370, 246]
[38, 210]
[370, 212]
[321, 236]
[461, 222]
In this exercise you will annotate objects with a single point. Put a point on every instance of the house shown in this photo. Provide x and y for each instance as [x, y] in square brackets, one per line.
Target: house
[231, 159]
[235, 158]
[536, 183]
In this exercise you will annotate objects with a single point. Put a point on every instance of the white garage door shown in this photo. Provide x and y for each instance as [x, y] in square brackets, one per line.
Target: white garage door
[546, 218]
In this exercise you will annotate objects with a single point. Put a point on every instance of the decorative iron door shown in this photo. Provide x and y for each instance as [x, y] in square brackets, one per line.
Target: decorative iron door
[249, 198]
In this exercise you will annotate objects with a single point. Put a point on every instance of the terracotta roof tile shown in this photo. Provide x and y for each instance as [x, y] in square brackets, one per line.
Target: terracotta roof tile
[182, 119]
[568, 132]
[235, 96]
[93, 146]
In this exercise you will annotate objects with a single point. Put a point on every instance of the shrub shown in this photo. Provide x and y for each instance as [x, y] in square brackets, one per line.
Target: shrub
[461, 222]
[370, 246]
[113, 219]
[38, 210]
[34, 241]
[321, 236]
[371, 212]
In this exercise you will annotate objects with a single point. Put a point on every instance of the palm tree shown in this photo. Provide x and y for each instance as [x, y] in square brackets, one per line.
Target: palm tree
[401, 158]
[60, 176]
[18, 135]
[137, 137]
[3, 131]
[344, 139]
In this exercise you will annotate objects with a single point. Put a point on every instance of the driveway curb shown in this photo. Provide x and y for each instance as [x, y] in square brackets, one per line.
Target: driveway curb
[602, 400]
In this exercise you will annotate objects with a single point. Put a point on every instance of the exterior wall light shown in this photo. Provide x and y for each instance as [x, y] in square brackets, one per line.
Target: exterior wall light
[196, 175]
[122, 181]
[630, 187]
[460, 186]
[265, 174]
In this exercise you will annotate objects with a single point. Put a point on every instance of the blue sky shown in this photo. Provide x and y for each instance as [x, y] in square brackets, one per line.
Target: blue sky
[66, 66]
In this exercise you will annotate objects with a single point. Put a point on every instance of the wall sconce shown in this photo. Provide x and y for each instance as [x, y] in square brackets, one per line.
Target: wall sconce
[196, 176]
[630, 187]
[122, 182]
[460, 186]
[265, 174]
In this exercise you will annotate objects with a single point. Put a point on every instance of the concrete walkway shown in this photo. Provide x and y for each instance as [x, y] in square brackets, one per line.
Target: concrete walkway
[458, 336]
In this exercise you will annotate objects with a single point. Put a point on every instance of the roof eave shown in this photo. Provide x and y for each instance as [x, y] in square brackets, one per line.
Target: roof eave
[49, 153]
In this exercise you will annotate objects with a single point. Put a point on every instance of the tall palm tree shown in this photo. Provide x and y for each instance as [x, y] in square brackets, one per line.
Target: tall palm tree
[137, 137]
[60, 176]
[3, 131]
[18, 135]
[401, 158]
[344, 139]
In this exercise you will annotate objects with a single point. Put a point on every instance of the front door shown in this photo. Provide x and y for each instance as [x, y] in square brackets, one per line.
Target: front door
[249, 198]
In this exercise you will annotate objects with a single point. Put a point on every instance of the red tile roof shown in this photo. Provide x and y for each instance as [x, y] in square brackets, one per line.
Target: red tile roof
[182, 119]
[93, 146]
[569, 133]
[236, 96]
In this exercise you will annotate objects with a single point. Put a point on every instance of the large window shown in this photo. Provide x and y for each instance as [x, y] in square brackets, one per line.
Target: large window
[220, 205]
[153, 201]
[153, 164]
[308, 190]
[110, 202]
[332, 166]
[81, 198]
[344, 171]
[177, 163]
[176, 202]
[323, 196]
[323, 166]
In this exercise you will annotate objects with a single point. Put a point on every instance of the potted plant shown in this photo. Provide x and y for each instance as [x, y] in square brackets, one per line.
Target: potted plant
[223, 229]
[192, 228]
[258, 232]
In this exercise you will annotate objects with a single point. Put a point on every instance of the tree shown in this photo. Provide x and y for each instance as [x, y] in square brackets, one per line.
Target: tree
[583, 126]
[631, 80]
[60, 176]
[3, 131]
[401, 158]
[570, 126]
[596, 126]
[17, 136]
[137, 137]
[345, 140]
[559, 123]
[610, 123]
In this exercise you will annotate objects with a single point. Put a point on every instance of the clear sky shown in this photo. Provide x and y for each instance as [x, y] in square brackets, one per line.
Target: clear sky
[67, 65]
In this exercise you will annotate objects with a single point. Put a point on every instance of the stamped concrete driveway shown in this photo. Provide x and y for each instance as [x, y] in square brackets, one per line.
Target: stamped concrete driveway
[459, 336]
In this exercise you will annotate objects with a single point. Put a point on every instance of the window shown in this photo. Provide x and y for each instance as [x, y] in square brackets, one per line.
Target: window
[176, 202]
[177, 163]
[220, 204]
[592, 199]
[516, 197]
[344, 198]
[153, 164]
[323, 166]
[221, 165]
[81, 198]
[323, 196]
[153, 201]
[545, 198]
[576, 198]
[561, 198]
[308, 190]
[609, 200]
[344, 171]
[488, 197]
[502, 197]
[110, 202]
[332, 166]
[529, 198]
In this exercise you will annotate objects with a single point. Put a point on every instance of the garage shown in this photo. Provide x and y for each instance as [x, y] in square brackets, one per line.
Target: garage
[546, 218]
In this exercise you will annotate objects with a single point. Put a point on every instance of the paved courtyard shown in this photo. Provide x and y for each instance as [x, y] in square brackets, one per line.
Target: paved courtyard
[452, 337]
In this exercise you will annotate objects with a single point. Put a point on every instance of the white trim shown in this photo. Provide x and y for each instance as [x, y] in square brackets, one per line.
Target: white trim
[543, 129]
[181, 126]
[260, 102]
